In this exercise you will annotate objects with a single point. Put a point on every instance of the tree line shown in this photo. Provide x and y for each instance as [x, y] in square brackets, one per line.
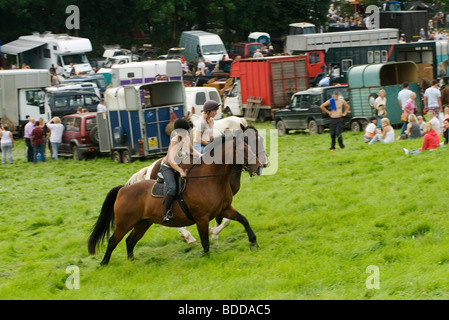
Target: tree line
[160, 23]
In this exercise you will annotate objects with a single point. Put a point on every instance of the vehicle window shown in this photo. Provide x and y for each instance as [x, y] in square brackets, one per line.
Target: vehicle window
[68, 124]
[34, 97]
[214, 49]
[77, 125]
[384, 56]
[314, 58]
[252, 49]
[295, 101]
[315, 100]
[305, 98]
[200, 98]
[346, 64]
[90, 123]
[343, 93]
[377, 56]
[60, 102]
[92, 100]
[101, 83]
[370, 57]
[76, 101]
[214, 96]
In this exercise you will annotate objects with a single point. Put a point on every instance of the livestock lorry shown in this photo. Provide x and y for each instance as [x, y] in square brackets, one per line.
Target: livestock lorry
[134, 123]
[264, 85]
[22, 95]
[316, 45]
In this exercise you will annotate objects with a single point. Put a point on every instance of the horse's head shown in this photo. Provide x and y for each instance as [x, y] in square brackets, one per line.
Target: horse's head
[256, 144]
[245, 155]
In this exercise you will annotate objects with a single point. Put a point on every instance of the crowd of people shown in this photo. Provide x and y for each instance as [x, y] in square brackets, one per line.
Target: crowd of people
[413, 125]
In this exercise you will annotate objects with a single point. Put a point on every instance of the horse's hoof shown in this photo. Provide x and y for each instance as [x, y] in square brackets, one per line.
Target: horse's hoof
[253, 246]
[193, 243]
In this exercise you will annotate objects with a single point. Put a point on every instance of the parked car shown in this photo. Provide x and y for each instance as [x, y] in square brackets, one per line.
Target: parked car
[62, 103]
[80, 137]
[304, 111]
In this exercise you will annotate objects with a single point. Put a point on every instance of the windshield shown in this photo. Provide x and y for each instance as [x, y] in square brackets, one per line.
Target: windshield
[75, 58]
[214, 49]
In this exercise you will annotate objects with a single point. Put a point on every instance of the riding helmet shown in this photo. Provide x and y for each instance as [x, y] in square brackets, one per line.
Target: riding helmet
[210, 105]
[182, 124]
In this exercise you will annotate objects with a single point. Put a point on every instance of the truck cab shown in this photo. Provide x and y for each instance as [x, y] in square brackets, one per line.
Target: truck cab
[304, 111]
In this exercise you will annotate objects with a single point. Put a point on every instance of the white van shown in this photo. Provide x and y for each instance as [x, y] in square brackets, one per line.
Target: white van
[197, 96]
[201, 44]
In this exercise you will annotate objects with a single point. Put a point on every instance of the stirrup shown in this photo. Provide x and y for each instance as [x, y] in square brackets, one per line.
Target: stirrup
[167, 217]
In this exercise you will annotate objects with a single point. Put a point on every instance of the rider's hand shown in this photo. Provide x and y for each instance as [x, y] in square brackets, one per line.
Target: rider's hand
[183, 174]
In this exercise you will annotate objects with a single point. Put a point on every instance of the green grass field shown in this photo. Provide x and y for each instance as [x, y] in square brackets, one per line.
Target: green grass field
[321, 221]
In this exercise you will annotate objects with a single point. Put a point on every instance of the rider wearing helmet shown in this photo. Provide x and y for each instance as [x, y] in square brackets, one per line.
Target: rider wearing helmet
[178, 150]
[204, 131]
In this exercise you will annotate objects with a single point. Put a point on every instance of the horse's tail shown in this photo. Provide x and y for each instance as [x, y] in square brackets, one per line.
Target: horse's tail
[105, 221]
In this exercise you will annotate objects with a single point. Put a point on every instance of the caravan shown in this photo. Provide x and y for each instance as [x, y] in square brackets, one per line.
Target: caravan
[42, 51]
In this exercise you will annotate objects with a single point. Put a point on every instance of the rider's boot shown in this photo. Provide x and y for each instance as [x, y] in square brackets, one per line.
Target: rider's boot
[168, 215]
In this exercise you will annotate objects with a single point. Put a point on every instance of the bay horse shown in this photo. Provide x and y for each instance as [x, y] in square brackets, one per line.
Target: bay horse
[255, 141]
[207, 194]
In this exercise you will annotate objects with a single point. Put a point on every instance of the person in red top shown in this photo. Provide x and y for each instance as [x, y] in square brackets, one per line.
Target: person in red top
[38, 141]
[431, 140]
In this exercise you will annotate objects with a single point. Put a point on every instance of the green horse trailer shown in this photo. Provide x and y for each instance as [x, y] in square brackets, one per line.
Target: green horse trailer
[365, 82]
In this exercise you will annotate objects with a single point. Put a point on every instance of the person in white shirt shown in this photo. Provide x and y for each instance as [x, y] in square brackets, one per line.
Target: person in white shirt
[432, 99]
[370, 130]
[380, 105]
[434, 121]
[56, 132]
[404, 95]
[101, 106]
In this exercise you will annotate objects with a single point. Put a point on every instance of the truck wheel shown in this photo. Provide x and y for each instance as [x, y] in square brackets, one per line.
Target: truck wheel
[281, 128]
[356, 126]
[116, 156]
[313, 127]
[262, 115]
[76, 154]
[126, 157]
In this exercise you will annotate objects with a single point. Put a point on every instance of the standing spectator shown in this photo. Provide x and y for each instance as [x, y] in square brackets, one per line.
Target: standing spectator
[258, 54]
[72, 69]
[38, 142]
[101, 107]
[404, 95]
[7, 142]
[54, 79]
[380, 105]
[27, 135]
[336, 113]
[434, 121]
[56, 132]
[200, 67]
[432, 99]
[386, 135]
[431, 140]
[409, 108]
[59, 70]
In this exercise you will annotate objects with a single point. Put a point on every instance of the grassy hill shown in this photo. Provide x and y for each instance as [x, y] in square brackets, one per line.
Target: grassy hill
[321, 221]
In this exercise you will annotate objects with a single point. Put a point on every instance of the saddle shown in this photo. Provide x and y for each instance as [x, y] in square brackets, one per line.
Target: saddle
[160, 189]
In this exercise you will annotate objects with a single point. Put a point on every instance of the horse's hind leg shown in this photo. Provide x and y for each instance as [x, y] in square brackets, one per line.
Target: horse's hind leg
[233, 214]
[116, 237]
[139, 230]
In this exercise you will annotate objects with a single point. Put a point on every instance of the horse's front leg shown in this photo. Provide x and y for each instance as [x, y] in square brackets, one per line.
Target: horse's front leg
[203, 230]
[233, 214]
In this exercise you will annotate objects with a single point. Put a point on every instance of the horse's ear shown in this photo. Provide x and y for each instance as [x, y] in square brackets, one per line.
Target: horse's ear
[243, 127]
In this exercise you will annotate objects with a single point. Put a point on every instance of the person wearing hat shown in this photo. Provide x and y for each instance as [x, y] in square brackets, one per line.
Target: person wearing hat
[204, 131]
[178, 150]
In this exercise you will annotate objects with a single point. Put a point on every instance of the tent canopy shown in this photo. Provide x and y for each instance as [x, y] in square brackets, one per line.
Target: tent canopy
[18, 46]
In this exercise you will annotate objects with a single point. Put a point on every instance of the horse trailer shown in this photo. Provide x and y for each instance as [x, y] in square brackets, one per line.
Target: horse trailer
[134, 123]
[365, 81]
